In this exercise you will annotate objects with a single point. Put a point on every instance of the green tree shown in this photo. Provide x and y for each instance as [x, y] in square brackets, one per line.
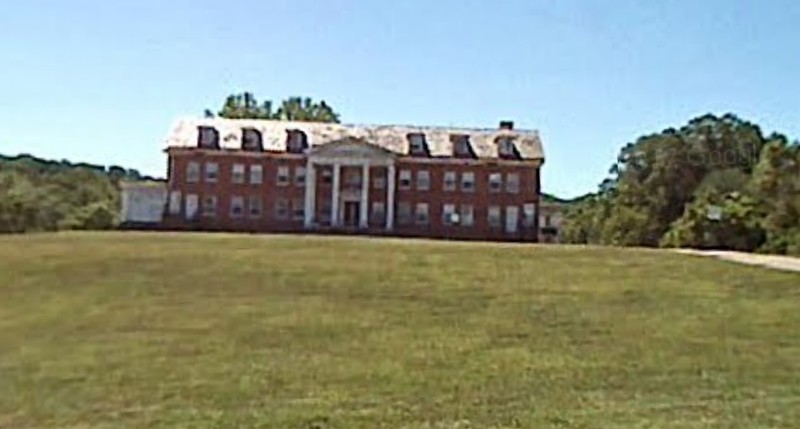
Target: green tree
[246, 106]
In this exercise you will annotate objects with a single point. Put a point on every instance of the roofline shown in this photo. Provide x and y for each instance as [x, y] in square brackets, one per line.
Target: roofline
[365, 125]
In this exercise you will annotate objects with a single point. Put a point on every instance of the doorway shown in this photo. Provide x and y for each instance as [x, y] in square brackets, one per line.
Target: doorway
[351, 213]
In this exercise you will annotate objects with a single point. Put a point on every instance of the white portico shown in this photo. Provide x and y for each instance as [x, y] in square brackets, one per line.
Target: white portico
[349, 203]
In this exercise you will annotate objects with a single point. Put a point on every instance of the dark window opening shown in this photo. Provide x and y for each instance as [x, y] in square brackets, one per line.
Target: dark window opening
[462, 148]
[417, 145]
[207, 138]
[252, 140]
[296, 141]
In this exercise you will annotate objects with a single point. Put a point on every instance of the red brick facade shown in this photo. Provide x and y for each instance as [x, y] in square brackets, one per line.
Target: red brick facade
[239, 194]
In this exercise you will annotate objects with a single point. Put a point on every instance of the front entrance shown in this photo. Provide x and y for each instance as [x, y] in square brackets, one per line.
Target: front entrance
[351, 213]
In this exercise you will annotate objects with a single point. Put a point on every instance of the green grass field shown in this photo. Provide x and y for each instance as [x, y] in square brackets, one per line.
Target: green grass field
[108, 330]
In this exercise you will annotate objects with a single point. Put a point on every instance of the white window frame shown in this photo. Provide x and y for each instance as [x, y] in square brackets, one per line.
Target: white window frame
[377, 212]
[282, 175]
[494, 216]
[282, 210]
[448, 210]
[256, 174]
[468, 181]
[450, 182]
[255, 214]
[237, 174]
[299, 175]
[236, 201]
[404, 176]
[495, 182]
[422, 214]
[528, 215]
[467, 215]
[405, 214]
[209, 210]
[512, 183]
[175, 202]
[211, 172]
[423, 180]
[298, 209]
[192, 172]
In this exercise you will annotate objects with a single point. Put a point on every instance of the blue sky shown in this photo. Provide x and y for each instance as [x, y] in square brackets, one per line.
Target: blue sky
[102, 81]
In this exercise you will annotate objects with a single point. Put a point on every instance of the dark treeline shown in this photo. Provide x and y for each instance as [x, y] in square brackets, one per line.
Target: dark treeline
[44, 195]
[717, 182]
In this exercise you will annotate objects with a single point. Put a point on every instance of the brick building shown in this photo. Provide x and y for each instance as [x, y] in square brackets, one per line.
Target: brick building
[258, 175]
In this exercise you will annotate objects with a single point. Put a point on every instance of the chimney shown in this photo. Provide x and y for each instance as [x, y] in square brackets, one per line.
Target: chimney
[506, 125]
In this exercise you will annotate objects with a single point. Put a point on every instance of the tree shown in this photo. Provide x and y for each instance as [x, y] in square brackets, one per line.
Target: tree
[662, 182]
[246, 106]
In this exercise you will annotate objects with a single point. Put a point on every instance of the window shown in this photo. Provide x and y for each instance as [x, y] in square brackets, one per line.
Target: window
[191, 206]
[403, 213]
[421, 214]
[256, 174]
[237, 173]
[207, 138]
[192, 172]
[494, 217]
[417, 146]
[327, 175]
[547, 221]
[529, 215]
[405, 180]
[175, 202]
[325, 213]
[237, 206]
[378, 214]
[212, 172]
[255, 206]
[495, 182]
[449, 215]
[512, 183]
[296, 141]
[506, 147]
[282, 208]
[449, 181]
[283, 175]
[423, 180]
[461, 146]
[468, 182]
[352, 177]
[251, 140]
[378, 181]
[467, 215]
[298, 209]
[209, 206]
[299, 176]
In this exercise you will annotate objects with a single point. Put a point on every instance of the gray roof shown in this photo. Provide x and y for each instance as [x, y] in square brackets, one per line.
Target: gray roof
[390, 137]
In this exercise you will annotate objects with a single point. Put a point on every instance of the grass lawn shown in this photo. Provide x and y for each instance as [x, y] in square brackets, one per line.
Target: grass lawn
[108, 330]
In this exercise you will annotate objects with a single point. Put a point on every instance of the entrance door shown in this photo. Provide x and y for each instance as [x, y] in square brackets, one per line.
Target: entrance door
[512, 219]
[351, 212]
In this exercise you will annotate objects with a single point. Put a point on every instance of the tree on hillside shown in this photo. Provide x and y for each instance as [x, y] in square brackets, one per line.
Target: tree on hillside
[662, 184]
[246, 106]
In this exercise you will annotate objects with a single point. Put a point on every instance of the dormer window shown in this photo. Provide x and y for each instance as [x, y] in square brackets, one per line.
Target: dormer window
[506, 148]
[296, 141]
[207, 138]
[251, 140]
[461, 146]
[417, 146]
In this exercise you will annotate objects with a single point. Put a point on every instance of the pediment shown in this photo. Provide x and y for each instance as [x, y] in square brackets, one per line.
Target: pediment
[350, 148]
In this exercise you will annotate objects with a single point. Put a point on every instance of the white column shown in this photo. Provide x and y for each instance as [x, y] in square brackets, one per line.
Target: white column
[335, 195]
[390, 179]
[363, 216]
[311, 195]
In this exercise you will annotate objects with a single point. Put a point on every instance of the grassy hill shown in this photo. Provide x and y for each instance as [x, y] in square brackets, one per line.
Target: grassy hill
[101, 330]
